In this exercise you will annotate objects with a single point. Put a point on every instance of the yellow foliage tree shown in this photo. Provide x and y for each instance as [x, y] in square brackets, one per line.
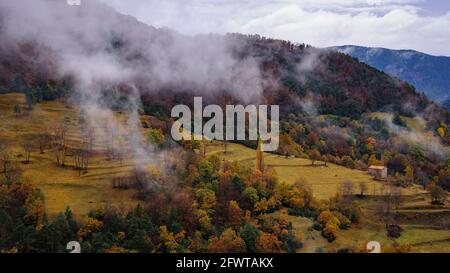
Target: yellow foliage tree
[169, 240]
[441, 132]
[268, 243]
[235, 214]
[228, 242]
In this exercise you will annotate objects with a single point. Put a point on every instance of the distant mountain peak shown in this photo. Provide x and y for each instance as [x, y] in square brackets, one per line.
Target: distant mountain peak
[429, 74]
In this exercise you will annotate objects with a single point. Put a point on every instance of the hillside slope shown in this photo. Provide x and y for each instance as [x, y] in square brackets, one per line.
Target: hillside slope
[62, 186]
[101, 59]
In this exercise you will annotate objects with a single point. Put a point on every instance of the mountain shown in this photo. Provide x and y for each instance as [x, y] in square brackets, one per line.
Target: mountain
[429, 74]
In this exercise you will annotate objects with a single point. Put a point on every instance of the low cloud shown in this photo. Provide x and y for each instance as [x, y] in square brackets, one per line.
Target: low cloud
[399, 24]
[101, 50]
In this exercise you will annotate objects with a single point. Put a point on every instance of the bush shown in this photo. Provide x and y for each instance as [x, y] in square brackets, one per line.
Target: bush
[330, 232]
[317, 226]
[343, 220]
[394, 231]
[303, 212]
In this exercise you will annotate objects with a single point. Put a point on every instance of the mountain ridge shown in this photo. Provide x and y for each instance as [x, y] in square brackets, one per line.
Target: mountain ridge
[429, 74]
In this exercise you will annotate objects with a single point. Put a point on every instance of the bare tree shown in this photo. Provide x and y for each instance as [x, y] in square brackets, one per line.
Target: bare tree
[325, 160]
[28, 144]
[59, 146]
[388, 199]
[78, 159]
[17, 110]
[43, 141]
[81, 158]
[88, 144]
[396, 197]
[363, 188]
[112, 134]
[5, 155]
[8, 164]
[83, 153]
[120, 153]
[347, 188]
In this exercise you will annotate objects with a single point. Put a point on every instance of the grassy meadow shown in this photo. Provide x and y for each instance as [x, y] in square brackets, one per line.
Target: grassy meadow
[61, 186]
[325, 181]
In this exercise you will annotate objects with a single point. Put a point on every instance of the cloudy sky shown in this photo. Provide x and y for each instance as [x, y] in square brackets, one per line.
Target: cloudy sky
[423, 25]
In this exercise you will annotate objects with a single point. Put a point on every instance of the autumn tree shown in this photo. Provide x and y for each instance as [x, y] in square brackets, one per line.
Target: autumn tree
[409, 174]
[35, 210]
[171, 243]
[330, 231]
[251, 196]
[228, 242]
[249, 233]
[348, 162]
[287, 146]
[326, 216]
[205, 198]
[234, 214]
[156, 137]
[330, 224]
[226, 192]
[196, 243]
[438, 194]
[441, 132]
[312, 138]
[91, 225]
[268, 243]
[373, 161]
[314, 155]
